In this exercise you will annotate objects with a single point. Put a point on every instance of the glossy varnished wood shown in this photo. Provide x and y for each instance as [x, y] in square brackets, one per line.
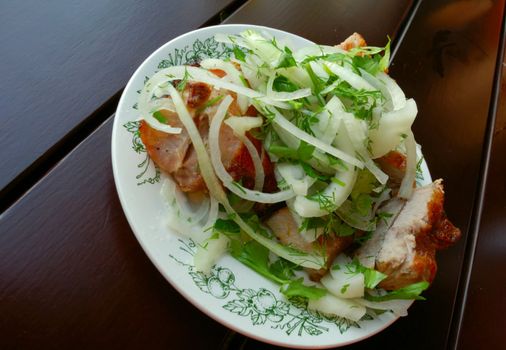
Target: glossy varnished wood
[72, 274]
[328, 22]
[61, 60]
[484, 319]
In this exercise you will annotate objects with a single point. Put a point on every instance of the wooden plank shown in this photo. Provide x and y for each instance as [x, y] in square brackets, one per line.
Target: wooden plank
[486, 301]
[62, 60]
[73, 274]
[327, 22]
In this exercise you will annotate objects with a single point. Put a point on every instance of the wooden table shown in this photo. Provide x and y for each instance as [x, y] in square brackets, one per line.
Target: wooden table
[72, 274]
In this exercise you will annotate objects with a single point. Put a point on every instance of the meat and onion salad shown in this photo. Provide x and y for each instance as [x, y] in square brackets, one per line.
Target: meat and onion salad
[301, 164]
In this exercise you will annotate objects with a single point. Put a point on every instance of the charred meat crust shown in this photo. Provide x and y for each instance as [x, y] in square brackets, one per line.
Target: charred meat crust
[429, 231]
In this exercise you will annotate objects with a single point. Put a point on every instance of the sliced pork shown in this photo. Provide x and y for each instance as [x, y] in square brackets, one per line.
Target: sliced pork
[285, 228]
[168, 151]
[406, 251]
[354, 40]
[174, 153]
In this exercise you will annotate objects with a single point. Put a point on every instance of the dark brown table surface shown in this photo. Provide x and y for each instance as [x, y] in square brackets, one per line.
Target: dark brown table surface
[72, 274]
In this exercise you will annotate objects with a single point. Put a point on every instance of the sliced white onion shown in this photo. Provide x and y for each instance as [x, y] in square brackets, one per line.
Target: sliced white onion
[257, 162]
[296, 75]
[214, 209]
[331, 305]
[251, 70]
[398, 307]
[319, 161]
[285, 96]
[406, 189]
[206, 168]
[315, 50]
[319, 71]
[295, 176]
[391, 91]
[241, 125]
[345, 285]
[330, 119]
[232, 73]
[348, 76]
[222, 173]
[375, 170]
[331, 87]
[182, 218]
[262, 47]
[334, 192]
[350, 216]
[392, 126]
[160, 79]
[208, 253]
[280, 120]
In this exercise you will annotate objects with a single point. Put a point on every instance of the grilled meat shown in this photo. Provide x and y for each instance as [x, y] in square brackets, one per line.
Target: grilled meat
[285, 228]
[174, 153]
[406, 251]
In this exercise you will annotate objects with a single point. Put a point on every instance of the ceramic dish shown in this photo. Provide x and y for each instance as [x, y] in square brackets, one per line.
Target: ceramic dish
[233, 294]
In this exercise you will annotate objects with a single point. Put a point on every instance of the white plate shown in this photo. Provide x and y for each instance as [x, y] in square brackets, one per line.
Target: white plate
[233, 295]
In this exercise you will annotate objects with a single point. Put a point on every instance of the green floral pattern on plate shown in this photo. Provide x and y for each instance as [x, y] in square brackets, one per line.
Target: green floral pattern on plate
[261, 306]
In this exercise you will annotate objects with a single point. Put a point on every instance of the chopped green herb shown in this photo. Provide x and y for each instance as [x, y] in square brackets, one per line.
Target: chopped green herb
[256, 256]
[239, 186]
[305, 151]
[295, 104]
[182, 84]
[410, 292]
[283, 152]
[337, 181]
[308, 169]
[239, 54]
[298, 288]
[371, 276]
[325, 202]
[305, 121]
[363, 238]
[318, 83]
[383, 216]
[287, 59]
[226, 226]
[159, 116]
[363, 204]
[365, 183]
[283, 84]
[359, 102]
[210, 103]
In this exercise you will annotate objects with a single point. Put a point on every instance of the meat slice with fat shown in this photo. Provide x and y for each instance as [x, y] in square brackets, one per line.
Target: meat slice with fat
[174, 153]
[406, 250]
[285, 228]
